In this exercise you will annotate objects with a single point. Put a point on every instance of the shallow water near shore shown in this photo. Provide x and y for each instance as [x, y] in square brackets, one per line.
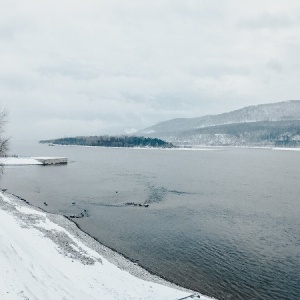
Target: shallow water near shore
[224, 223]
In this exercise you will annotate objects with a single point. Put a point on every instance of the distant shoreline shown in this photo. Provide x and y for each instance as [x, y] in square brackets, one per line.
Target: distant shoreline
[188, 148]
[123, 141]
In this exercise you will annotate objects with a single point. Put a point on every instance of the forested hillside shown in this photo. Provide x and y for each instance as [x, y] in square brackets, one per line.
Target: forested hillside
[278, 134]
[111, 141]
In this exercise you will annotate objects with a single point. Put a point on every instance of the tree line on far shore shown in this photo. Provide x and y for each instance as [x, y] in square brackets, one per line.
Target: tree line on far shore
[111, 141]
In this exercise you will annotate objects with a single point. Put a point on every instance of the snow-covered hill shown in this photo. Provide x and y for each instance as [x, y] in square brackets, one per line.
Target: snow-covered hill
[252, 125]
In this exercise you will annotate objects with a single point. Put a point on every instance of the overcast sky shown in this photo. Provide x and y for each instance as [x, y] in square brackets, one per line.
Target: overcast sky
[112, 66]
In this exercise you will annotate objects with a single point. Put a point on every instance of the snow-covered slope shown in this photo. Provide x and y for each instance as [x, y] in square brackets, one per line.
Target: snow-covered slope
[287, 110]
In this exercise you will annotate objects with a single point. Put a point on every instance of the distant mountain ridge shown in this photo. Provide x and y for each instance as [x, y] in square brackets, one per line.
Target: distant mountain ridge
[235, 127]
[287, 110]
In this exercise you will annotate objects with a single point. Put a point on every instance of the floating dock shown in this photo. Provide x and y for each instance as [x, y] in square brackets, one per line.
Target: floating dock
[52, 160]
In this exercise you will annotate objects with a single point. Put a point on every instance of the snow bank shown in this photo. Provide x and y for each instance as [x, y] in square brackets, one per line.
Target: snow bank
[286, 149]
[19, 161]
[45, 256]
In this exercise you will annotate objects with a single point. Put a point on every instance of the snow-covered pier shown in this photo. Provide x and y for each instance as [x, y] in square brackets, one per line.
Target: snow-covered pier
[52, 160]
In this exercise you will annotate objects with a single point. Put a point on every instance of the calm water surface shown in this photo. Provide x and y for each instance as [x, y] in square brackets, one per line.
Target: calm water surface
[225, 222]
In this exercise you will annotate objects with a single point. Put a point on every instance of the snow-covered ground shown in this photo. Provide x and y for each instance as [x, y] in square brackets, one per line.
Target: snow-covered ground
[19, 161]
[45, 256]
[286, 149]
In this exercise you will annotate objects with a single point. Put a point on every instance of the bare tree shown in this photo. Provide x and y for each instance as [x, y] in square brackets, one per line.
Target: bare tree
[3, 140]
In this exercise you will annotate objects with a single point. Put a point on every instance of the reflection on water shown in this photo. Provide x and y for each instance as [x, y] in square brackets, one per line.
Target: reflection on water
[225, 223]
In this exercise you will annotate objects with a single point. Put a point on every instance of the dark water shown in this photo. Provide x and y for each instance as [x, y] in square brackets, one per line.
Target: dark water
[225, 223]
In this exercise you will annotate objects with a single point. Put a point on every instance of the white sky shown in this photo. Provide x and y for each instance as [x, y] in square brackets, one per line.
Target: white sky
[110, 66]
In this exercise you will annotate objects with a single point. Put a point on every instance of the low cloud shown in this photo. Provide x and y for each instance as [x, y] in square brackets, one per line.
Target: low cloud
[270, 21]
[99, 67]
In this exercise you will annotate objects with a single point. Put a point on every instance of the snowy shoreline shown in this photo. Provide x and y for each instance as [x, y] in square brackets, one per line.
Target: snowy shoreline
[22, 161]
[18, 161]
[46, 256]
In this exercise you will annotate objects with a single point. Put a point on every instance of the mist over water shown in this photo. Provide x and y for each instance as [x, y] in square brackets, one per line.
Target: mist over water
[223, 222]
